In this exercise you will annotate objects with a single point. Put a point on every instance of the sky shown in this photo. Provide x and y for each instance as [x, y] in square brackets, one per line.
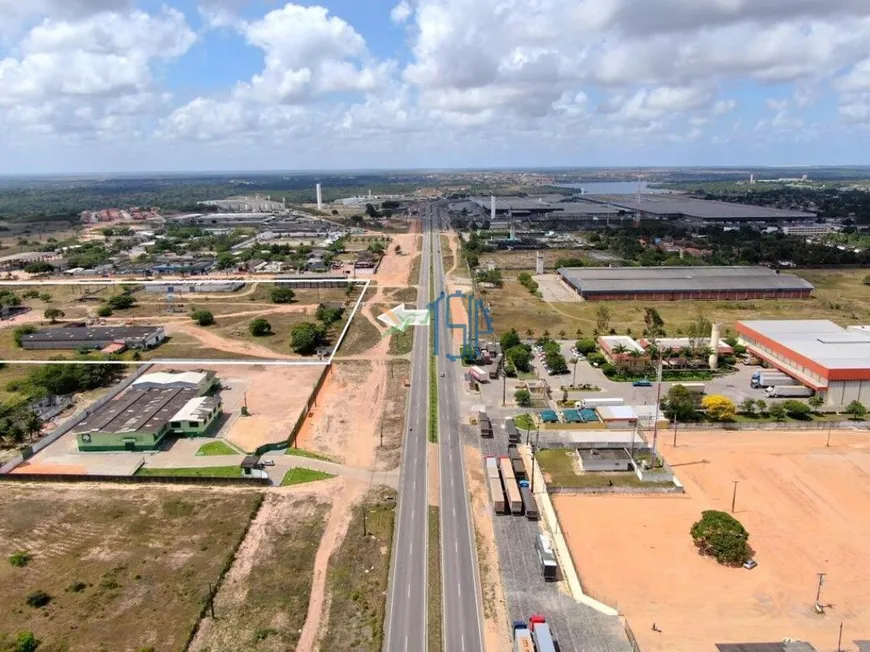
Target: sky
[102, 86]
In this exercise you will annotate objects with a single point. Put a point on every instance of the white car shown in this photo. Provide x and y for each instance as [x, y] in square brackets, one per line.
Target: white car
[750, 564]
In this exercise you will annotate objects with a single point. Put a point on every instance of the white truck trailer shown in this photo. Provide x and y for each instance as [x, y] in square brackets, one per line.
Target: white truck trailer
[789, 391]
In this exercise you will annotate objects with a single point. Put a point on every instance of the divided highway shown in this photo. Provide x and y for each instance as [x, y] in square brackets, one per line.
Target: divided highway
[407, 594]
[461, 612]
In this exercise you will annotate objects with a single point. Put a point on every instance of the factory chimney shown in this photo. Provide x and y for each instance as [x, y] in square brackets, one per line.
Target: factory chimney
[513, 231]
[319, 198]
[714, 346]
[539, 263]
[492, 208]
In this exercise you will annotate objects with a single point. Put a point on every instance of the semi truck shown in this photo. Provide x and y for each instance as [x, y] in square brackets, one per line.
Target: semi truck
[479, 374]
[485, 426]
[694, 388]
[529, 503]
[519, 469]
[789, 391]
[547, 558]
[541, 634]
[513, 434]
[514, 453]
[514, 500]
[591, 403]
[769, 378]
[522, 638]
[499, 360]
[496, 493]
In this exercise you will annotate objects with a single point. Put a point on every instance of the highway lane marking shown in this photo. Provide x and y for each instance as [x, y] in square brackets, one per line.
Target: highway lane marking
[462, 637]
[459, 587]
[409, 590]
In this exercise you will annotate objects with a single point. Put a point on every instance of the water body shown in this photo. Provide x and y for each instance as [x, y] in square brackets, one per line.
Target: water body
[611, 187]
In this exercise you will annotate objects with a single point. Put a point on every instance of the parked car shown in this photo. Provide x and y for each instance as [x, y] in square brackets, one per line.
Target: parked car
[641, 383]
[750, 564]
[268, 462]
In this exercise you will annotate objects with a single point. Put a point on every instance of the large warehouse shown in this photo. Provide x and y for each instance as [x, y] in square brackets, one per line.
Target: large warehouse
[676, 283]
[152, 408]
[833, 360]
[94, 337]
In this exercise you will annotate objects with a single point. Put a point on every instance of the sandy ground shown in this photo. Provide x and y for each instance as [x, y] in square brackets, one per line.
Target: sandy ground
[275, 397]
[210, 340]
[395, 269]
[806, 507]
[344, 423]
[345, 498]
[553, 290]
[495, 636]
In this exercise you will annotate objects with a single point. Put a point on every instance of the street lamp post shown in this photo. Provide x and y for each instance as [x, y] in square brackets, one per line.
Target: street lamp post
[574, 377]
[656, 421]
[734, 495]
[819, 590]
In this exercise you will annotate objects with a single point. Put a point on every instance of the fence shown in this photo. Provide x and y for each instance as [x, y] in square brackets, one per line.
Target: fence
[312, 400]
[648, 489]
[73, 421]
[136, 479]
[790, 425]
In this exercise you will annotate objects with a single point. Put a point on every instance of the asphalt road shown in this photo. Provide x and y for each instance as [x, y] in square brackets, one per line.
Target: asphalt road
[406, 602]
[461, 610]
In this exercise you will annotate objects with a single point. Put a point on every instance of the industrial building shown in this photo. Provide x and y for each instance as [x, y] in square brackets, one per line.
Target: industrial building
[154, 406]
[180, 287]
[599, 460]
[94, 337]
[677, 283]
[832, 360]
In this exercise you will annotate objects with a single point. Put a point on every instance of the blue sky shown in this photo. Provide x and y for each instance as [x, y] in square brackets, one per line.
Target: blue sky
[146, 85]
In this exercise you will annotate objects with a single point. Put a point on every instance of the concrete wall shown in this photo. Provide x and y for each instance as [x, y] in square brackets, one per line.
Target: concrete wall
[107, 441]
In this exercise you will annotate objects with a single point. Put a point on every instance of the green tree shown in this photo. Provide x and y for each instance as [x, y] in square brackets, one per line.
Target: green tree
[53, 314]
[722, 537]
[761, 404]
[8, 298]
[259, 327]
[602, 319]
[202, 317]
[586, 346]
[510, 339]
[747, 406]
[655, 325]
[45, 296]
[282, 295]
[719, 408]
[815, 402]
[856, 410]
[777, 411]
[225, 260]
[39, 267]
[328, 315]
[121, 301]
[104, 311]
[306, 337]
[797, 409]
[681, 404]
[26, 642]
[21, 331]
[523, 398]
[377, 248]
[520, 356]
[556, 362]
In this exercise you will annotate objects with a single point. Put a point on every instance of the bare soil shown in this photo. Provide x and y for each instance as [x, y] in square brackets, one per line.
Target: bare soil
[806, 507]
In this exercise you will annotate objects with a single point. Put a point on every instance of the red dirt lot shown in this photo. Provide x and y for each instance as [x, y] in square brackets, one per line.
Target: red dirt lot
[807, 510]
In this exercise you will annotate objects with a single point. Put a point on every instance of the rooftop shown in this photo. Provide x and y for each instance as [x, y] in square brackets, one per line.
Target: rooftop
[612, 341]
[603, 454]
[818, 340]
[91, 333]
[197, 409]
[676, 279]
[172, 377]
[137, 410]
[616, 413]
[671, 204]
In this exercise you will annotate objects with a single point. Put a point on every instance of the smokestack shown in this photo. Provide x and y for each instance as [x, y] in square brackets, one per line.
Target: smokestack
[539, 263]
[513, 231]
[319, 198]
[714, 345]
[492, 208]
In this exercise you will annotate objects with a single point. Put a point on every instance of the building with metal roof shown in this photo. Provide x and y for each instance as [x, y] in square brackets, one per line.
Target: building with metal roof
[832, 360]
[143, 415]
[703, 211]
[94, 337]
[676, 283]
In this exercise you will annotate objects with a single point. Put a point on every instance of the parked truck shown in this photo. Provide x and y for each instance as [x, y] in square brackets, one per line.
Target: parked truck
[694, 388]
[510, 428]
[789, 391]
[530, 505]
[519, 469]
[496, 492]
[514, 500]
[514, 453]
[591, 403]
[547, 558]
[480, 375]
[522, 638]
[767, 378]
[541, 634]
[485, 426]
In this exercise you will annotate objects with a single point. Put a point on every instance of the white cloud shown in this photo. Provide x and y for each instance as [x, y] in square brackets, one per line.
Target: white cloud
[401, 12]
[723, 106]
[777, 104]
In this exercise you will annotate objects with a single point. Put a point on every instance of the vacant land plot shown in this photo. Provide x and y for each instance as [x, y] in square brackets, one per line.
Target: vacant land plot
[561, 469]
[124, 569]
[840, 296]
[358, 575]
[525, 260]
[263, 599]
[807, 510]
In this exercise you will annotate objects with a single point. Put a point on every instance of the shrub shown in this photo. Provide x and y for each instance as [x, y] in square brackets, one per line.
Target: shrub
[26, 642]
[38, 599]
[306, 337]
[39, 267]
[104, 311]
[523, 397]
[19, 559]
[777, 411]
[509, 340]
[608, 369]
[797, 409]
[719, 408]
[202, 317]
[721, 536]
[328, 315]
[260, 327]
[596, 358]
[856, 410]
[53, 314]
[21, 331]
[585, 346]
[76, 587]
[282, 295]
[121, 301]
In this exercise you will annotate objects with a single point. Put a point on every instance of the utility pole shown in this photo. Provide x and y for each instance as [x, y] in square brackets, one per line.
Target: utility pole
[503, 389]
[840, 638]
[675, 428]
[211, 600]
[365, 531]
[382, 435]
[734, 495]
[656, 421]
[819, 590]
[828, 442]
[574, 377]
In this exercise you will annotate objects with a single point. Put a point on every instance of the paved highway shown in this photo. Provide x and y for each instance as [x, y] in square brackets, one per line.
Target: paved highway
[461, 612]
[406, 604]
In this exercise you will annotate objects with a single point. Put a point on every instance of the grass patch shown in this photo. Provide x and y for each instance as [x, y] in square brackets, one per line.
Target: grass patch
[358, 575]
[434, 580]
[415, 268]
[361, 336]
[667, 376]
[300, 476]
[402, 342]
[113, 553]
[263, 604]
[447, 253]
[205, 472]
[408, 296]
[524, 422]
[301, 452]
[557, 464]
[216, 448]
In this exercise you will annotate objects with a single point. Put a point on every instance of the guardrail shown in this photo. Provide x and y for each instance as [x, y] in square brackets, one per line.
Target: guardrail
[778, 425]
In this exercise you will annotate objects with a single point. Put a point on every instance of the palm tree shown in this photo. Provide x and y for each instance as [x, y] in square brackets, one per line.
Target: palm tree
[635, 355]
[579, 333]
[530, 332]
[618, 354]
[32, 424]
[562, 335]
